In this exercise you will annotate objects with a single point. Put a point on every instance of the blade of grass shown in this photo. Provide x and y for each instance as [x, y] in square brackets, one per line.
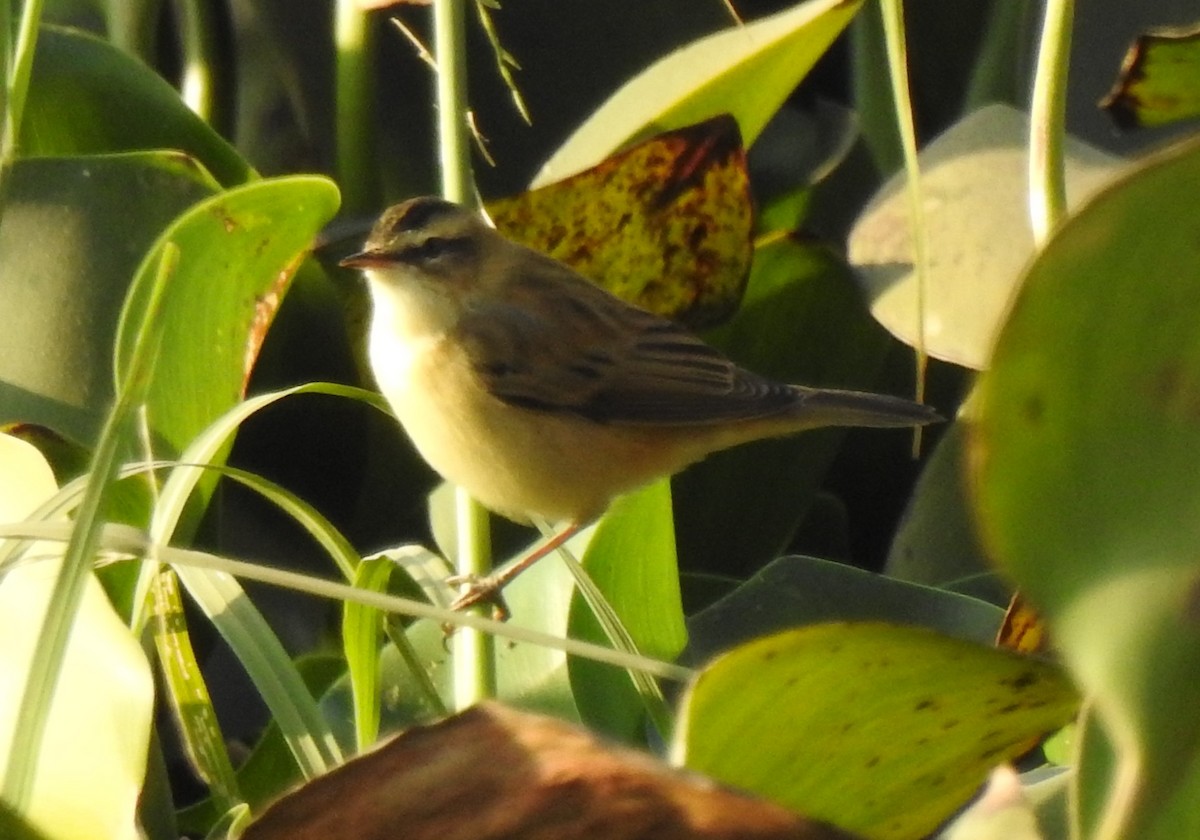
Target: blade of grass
[187, 694]
[620, 638]
[897, 50]
[361, 628]
[85, 537]
[124, 541]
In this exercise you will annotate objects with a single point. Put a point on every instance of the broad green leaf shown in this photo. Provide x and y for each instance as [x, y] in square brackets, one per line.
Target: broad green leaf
[88, 97]
[665, 224]
[631, 559]
[880, 729]
[979, 239]
[1159, 82]
[937, 541]
[801, 321]
[526, 675]
[747, 71]
[1087, 478]
[238, 252]
[72, 233]
[93, 755]
[796, 591]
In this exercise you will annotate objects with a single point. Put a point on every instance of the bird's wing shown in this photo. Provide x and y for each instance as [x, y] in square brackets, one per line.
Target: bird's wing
[571, 347]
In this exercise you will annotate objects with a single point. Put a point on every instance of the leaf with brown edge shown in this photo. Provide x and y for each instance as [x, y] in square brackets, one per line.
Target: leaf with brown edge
[1023, 630]
[1159, 82]
[665, 224]
[492, 772]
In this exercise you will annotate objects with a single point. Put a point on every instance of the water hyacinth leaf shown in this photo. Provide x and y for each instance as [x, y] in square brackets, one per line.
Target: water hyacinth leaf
[631, 559]
[238, 252]
[665, 224]
[1085, 472]
[883, 729]
[1159, 82]
[795, 590]
[936, 542]
[978, 233]
[747, 71]
[88, 97]
[67, 233]
[93, 755]
[801, 321]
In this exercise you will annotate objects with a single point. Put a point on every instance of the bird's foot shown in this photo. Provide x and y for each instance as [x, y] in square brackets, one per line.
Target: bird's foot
[474, 590]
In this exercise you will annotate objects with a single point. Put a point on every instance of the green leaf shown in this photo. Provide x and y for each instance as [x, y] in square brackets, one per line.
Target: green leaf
[1087, 480]
[631, 560]
[801, 321]
[747, 71]
[974, 184]
[239, 251]
[882, 730]
[795, 591]
[88, 97]
[937, 541]
[75, 230]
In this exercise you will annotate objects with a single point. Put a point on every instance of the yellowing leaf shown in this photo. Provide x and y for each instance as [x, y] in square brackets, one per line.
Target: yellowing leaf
[882, 729]
[665, 224]
[1159, 82]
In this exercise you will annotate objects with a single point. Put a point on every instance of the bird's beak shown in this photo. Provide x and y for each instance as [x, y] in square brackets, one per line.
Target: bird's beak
[367, 259]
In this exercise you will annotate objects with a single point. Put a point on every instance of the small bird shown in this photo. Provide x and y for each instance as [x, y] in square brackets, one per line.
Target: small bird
[544, 395]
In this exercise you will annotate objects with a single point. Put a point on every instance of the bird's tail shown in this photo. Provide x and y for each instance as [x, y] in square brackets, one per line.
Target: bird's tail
[817, 407]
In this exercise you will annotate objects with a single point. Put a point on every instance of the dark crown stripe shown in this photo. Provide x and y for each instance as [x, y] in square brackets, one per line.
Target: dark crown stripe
[419, 212]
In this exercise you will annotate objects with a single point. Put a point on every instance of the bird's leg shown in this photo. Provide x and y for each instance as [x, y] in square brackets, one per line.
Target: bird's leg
[489, 589]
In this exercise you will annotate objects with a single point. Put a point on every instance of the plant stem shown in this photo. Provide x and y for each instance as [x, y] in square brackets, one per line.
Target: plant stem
[897, 50]
[1048, 109]
[454, 139]
[355, 169]
[474, 663]
[200, 84]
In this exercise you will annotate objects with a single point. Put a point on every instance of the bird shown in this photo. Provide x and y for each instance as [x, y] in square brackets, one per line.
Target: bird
[545, 396]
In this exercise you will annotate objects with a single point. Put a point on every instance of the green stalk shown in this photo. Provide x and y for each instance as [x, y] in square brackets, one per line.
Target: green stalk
[200, 83]
[897, 52]
[355, 168]
[454, 138]
[1048, 109]
[474, 662]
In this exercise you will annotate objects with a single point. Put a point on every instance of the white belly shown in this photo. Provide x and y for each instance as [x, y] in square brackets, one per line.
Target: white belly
[515, 461]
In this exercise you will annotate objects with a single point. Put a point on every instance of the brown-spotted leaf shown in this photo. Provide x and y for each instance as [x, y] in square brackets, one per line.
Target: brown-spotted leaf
[1159, 81]
[665, 224]
[1023, 630]
[492, 773]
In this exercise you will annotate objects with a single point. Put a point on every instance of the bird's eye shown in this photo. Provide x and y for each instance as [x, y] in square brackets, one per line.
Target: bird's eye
[433, 248]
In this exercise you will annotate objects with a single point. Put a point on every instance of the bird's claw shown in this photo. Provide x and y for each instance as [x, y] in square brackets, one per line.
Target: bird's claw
[474, 590]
